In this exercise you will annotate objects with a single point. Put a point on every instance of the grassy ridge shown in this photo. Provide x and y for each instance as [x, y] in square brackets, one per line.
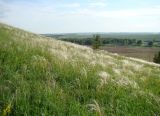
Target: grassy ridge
[40, 76]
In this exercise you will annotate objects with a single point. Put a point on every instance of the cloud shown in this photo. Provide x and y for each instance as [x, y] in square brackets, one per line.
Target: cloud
[127, 13]
[97, 4]
[71, 5]
[91, 16]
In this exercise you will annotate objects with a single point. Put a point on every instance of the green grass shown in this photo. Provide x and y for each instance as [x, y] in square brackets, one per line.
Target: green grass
[39, 76]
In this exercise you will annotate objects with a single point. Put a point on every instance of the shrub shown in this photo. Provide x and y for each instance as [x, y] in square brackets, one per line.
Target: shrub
[157, 58]
[96, 42]
[150, 43]
[139, 42]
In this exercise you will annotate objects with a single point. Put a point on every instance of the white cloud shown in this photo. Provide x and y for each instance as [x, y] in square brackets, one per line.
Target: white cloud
[75, 17]
[71, 5]
[119, 13]
[97, 4]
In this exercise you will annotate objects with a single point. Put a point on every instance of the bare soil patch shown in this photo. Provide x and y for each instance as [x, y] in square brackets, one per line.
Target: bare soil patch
[146, 53]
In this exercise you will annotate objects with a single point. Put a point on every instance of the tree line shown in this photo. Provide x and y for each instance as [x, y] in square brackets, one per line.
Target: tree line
[109, 41]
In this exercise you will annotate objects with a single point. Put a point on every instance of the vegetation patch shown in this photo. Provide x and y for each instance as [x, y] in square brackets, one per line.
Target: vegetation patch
[43, 76]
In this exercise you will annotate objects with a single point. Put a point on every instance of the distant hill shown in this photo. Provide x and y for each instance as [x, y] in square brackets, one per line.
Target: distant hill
[138, 36]
[44, 76]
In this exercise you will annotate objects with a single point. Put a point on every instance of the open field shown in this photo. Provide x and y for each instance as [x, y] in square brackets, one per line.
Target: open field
[146, 53]
[41, 76]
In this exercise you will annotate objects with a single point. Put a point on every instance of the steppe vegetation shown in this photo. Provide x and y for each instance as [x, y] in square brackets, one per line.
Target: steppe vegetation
[43, 76]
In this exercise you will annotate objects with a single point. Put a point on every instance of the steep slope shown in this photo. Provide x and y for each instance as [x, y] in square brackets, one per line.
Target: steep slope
[43, 76]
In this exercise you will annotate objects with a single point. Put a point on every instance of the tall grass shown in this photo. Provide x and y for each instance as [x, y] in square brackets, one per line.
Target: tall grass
[40, 76]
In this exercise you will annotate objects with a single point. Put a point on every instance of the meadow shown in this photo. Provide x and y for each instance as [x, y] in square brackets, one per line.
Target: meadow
[44, 76]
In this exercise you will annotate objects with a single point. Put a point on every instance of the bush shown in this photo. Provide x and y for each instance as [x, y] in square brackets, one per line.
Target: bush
[96, 42]
[139, 42]
[157, 58]
[150, 43]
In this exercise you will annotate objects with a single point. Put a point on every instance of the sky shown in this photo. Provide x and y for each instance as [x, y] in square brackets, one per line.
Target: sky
[72, 16]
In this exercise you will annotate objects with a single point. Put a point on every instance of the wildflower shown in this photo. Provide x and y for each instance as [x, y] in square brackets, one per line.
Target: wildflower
[7, 110]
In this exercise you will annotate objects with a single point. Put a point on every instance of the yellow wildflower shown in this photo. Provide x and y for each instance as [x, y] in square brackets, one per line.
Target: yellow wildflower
[7, 110]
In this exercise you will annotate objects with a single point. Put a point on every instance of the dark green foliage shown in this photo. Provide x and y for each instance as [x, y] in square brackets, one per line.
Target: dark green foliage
[150, 43]
[157, 58]
[96, 42]
[139, 42]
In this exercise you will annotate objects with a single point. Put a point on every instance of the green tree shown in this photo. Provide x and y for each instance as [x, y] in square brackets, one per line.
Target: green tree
[156, 58]
[139, 42]
[150, 43]
[96, 42]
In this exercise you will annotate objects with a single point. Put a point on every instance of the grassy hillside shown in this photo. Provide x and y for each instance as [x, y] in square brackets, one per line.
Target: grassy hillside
[42, 76]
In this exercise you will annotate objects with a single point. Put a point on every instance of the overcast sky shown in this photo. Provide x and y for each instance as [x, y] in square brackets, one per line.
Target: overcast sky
[66, 16]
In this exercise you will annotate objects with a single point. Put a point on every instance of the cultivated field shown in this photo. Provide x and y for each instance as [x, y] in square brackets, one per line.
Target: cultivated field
[146, 53]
